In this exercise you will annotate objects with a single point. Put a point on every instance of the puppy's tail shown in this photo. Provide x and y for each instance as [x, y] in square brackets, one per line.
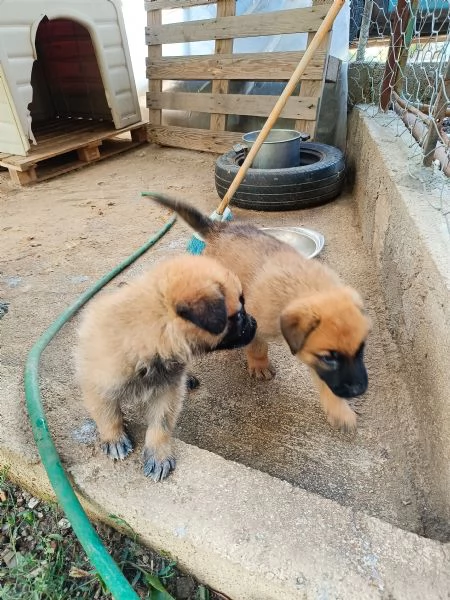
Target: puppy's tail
[193, 217]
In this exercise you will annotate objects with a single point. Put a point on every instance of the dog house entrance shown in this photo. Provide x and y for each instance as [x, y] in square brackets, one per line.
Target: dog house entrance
[68, 90]
[79, 103]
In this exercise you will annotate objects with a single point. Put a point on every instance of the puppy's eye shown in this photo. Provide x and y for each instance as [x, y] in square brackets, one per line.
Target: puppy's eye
[330, 360]
[143, 371]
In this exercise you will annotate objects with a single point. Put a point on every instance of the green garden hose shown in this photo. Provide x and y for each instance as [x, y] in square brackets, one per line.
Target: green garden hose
[107, 569]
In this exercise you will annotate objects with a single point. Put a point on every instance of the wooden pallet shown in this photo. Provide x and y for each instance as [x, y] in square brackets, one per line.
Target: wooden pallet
[224, 65]
[67, 144]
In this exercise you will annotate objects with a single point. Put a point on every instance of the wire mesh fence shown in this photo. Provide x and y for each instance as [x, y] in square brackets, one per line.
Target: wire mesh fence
[400, 68]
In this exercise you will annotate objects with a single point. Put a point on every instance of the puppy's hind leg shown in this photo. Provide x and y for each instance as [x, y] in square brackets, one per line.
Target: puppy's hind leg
[162, 416]
[109, 420]
[339, 414]
[258, 363]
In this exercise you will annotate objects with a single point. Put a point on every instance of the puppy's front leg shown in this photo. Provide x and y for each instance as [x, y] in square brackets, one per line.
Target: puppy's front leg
[108, 418]
[339, 414]
[162, 415]
[258, 363]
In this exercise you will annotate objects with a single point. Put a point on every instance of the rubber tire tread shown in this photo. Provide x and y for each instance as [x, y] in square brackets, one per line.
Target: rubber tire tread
[318, 180]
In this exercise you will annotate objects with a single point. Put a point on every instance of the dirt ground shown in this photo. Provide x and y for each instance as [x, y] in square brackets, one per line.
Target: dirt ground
[59, 237]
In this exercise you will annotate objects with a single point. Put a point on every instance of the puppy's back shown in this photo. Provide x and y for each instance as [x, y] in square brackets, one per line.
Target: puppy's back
[113, 328]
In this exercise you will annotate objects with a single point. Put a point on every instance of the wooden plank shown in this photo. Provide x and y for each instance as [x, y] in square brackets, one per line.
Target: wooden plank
[296, 20]
[310, 88]
[261, 66]
[47, 144]
[332, 70]
[89, 153]
[164, 4]
[139, 135]
[23, 177]
[62, 126]
[77, 140]
[194, 139]
[65, 133]
[223, 66]
[225, 8]
[154, 54]
[233, 104]
[65, 124]
[307, 125]
[49, 169]
[76, 131]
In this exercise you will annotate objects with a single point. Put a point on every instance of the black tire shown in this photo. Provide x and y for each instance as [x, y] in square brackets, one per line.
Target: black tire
[317, 180]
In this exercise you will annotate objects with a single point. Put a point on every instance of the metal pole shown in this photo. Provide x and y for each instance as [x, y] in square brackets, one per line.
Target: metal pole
[364, 31]
[404, 51]
[438, 113]
[399, 25]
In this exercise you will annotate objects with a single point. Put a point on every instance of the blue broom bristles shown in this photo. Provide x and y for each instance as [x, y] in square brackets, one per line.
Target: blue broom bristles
[196, 244]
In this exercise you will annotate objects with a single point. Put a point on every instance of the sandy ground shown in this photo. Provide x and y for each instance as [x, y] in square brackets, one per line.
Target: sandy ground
[59, 237]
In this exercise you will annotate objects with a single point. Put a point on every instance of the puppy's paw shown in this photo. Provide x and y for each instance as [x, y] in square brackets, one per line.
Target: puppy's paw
[261, 371]
[157, 469]
[118, 449]
[342, 417]
[260, 368]
[261, 374]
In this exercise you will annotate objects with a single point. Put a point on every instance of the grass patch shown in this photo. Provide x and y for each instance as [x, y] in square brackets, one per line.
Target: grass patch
[41, 558]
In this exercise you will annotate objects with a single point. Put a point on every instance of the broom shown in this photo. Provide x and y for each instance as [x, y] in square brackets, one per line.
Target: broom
[196, 245]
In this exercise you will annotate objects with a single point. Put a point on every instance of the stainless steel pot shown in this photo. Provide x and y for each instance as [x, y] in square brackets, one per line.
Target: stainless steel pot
[280, 150]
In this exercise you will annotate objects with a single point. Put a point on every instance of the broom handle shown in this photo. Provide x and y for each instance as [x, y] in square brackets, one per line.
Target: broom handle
[287, 92]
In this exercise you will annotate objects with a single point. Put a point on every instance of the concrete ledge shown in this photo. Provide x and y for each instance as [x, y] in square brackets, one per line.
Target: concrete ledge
[409, 241]
[257, 538]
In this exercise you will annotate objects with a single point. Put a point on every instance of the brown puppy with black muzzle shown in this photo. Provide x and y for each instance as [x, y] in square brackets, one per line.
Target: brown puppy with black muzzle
[136, 343]
[321, 319]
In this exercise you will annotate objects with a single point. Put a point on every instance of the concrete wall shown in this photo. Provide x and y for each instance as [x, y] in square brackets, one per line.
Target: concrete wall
[410, 244]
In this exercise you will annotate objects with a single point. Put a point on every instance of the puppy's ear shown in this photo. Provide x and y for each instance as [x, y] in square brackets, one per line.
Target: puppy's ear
[208, 314]
[296, 324]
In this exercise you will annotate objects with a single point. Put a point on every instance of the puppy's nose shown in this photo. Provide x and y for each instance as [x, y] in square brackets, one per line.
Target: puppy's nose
[237, 318]
[250, 322]
[357, 389]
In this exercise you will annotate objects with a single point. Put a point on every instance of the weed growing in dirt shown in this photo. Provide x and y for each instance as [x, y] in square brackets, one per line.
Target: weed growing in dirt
[41, 558]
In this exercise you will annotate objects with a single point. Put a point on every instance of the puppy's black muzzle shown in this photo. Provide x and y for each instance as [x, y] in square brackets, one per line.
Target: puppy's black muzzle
[349, 380]
[241, 331]
[350, 390]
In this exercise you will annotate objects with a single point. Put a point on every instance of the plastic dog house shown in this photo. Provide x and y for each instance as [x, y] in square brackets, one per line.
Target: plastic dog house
[62, 61]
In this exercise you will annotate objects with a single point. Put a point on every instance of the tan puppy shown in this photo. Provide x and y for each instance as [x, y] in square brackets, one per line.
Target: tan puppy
[135, 344]
[322, 320]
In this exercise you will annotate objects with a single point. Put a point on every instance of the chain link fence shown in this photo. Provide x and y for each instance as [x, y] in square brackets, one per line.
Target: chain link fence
[400, 68]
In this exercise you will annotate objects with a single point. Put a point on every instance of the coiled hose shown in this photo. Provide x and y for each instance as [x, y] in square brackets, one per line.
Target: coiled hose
[107, 569]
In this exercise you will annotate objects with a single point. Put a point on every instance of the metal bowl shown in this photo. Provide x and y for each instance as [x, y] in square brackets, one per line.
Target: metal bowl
[307, 242]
